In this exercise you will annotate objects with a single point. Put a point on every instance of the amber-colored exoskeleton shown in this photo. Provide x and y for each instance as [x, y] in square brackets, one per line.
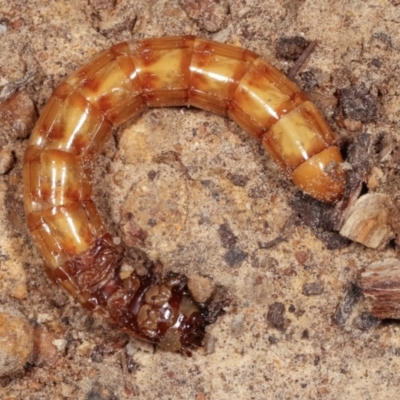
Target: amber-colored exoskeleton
[118, 84]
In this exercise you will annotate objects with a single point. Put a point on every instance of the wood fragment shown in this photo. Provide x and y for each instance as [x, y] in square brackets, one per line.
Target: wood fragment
[302, 59]
[9, 89]
[381, 284]
[368, 222]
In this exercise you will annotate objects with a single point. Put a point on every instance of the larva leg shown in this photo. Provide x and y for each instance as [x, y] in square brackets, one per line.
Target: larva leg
[119, 83]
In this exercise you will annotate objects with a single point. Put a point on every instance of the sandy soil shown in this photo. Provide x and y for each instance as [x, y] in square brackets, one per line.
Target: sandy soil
[297, 325]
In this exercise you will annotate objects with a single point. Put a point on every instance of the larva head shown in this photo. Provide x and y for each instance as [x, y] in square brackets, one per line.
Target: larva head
[321, 176]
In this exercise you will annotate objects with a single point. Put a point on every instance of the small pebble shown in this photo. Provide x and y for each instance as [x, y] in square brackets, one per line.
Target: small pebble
[313, 288]
[366, 321]
[237, 326]
[347, 305]
[60, 344]
[16, 341]
[209, 343]
[17, 117]
[100, 392]
[6, 161]
[201, 288]
[45, 351]
[275, 316]
[301, 256]
[3, 29]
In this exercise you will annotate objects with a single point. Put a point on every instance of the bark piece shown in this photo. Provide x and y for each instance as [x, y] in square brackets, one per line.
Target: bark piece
[368, 222]
[381, 283]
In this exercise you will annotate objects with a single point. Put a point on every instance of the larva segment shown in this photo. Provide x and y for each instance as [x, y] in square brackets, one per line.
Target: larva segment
[119, 83]
[262, 97]
[298, 135]
[163, 69]
[215, 72]
[111, 84]
[71, 124]
[66, 231]
[55, 178]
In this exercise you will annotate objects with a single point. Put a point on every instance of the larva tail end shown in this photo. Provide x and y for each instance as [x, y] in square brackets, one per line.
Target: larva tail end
[126, 287]
[191, 320]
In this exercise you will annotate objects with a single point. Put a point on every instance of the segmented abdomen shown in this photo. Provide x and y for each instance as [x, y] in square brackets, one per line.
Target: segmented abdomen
[118, 84]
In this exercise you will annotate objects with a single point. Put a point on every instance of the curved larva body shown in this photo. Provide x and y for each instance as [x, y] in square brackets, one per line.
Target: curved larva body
[118, 84]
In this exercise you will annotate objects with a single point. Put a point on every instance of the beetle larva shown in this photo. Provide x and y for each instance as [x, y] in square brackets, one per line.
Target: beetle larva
[118, 84]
